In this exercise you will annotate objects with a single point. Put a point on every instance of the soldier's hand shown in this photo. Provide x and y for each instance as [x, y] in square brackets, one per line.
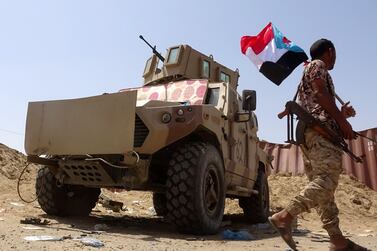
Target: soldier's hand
[347, 110]
[347, 130]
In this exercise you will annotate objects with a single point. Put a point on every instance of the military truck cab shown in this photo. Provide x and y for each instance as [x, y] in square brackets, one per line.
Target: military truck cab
[182, 62]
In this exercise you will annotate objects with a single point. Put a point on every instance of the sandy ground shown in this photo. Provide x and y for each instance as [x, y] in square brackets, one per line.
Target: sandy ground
[137, 228]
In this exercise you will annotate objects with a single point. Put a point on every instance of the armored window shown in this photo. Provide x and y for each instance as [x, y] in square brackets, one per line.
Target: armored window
[213, 96]
[173, 55]
[150, 66]
[205, 69]
[224, 77]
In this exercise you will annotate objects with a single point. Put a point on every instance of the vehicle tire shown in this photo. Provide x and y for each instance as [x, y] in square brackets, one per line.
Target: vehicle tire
[195, 189]
[256, 208]
[159, 204]
[64, 200]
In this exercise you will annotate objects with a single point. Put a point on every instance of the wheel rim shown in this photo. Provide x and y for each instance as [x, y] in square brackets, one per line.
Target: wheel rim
[211, 190]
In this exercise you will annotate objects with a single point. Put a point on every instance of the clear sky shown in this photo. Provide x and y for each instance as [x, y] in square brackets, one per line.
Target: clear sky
[77, 48]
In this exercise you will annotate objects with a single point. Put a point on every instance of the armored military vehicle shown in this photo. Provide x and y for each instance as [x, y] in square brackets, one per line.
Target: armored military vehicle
[186, 135]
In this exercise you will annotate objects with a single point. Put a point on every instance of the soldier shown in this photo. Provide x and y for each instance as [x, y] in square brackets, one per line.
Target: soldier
[322, 159]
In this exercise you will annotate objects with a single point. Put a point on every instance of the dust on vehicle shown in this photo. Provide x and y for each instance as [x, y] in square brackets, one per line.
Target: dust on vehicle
[186, 135]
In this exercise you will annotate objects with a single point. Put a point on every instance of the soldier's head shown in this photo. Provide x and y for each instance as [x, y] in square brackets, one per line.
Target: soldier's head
[324, 50]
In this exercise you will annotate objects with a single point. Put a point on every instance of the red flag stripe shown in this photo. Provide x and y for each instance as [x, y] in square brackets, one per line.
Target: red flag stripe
[258, 42]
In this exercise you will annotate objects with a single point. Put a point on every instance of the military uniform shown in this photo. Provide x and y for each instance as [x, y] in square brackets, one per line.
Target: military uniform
[322, 159]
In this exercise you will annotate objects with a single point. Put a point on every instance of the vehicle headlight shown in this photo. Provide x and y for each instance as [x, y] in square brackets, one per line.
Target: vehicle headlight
[180, 112]
[166, 117]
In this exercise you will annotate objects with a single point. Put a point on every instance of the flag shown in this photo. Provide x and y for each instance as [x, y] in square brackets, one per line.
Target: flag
[274, 55]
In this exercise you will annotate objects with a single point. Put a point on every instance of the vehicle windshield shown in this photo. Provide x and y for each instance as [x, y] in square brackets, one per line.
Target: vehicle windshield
[191, 92]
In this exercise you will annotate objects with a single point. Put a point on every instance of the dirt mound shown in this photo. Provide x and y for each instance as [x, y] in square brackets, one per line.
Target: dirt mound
[12, 162]
[352, 197]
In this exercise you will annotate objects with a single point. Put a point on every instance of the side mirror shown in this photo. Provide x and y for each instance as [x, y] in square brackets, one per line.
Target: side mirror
[249, 100]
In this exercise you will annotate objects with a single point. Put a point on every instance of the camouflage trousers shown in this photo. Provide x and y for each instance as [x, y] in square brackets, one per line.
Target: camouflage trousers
[323, 165]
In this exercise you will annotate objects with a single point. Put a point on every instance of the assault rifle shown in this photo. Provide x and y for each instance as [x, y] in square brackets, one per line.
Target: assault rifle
[307, 120]
[155, 52]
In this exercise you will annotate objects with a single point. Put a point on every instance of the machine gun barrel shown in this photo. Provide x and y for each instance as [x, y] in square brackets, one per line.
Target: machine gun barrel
[153, 49]
[363, 136]
[358, 134]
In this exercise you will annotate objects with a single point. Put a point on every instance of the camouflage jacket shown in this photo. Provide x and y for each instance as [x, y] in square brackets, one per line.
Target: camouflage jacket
[306, 95]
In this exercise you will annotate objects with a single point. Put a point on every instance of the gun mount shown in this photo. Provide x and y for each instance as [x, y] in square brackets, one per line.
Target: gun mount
[182, 62]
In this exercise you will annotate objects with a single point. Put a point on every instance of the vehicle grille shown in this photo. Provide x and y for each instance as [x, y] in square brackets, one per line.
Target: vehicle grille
[141, 132]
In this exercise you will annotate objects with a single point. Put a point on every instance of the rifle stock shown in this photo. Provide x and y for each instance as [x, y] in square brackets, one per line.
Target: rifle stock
[283, 114]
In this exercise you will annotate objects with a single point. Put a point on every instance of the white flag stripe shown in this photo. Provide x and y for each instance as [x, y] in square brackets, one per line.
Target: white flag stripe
[253, 57]
[270, 53]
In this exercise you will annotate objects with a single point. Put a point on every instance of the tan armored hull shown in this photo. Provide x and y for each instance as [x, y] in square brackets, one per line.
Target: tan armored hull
[97, 125]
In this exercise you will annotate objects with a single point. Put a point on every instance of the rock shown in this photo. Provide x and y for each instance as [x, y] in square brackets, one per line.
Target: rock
[34, 221]
[356, 201]
[113, 205]
[101, 227]
[151, 211]
[92, 242]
